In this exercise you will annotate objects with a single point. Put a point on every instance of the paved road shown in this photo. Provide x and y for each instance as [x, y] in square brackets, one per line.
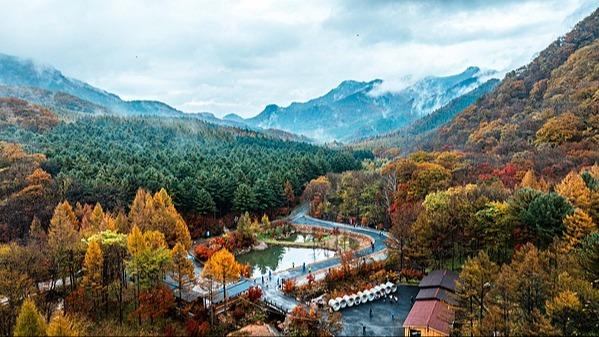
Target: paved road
[387, 317]
[300, 217]
[272, 293]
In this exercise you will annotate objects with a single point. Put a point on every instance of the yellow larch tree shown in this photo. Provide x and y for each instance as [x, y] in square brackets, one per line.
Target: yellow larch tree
[577, 225]
[96, 219]
[29, 321]
[122, 223]
[561, 308]
[222, 267]
[573, 188]
[530, 180]
[138, 213]
[64, 241]
[93, 265]
[181, 267]
[61, 325]
[109, 223]
[158, 213]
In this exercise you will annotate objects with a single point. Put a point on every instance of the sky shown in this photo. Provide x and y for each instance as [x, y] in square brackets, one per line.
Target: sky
[228, 56]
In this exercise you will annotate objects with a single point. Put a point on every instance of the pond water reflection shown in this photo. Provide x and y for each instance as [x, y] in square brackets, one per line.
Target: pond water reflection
[276, 258]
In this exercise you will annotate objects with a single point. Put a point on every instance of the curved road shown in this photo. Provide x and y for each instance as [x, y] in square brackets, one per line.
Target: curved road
[272, 294]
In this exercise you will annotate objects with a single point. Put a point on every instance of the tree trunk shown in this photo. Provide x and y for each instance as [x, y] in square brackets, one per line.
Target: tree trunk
[211, 304]
[180, 281]
[482, 301]
[401, 254]
[225, 292]
[137, 301]
[122, 278]
[452, 252]
[471, 320]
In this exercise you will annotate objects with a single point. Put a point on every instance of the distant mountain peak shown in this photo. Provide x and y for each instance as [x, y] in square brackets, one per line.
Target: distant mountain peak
[271, 107]
[472, 70]
[354, 84]
[233, 117]
[355, 109]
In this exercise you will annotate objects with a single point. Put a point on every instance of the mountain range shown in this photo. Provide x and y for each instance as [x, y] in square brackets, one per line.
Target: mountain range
[47, 86]
[406, 137]
[355, 110]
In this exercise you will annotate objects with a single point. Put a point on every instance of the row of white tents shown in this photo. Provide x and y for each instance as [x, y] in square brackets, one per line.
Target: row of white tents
[362, 296]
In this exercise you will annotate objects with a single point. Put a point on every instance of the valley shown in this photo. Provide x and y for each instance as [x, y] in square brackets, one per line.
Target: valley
[460, 203]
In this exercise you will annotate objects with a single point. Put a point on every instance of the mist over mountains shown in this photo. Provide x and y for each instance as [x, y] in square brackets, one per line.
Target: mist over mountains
[45, 85]
[353, 110]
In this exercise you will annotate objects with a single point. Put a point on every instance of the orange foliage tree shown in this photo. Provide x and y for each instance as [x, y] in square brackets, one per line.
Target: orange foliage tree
[222, 267]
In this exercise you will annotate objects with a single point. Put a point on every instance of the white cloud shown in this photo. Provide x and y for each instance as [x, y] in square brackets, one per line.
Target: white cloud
[229, 56]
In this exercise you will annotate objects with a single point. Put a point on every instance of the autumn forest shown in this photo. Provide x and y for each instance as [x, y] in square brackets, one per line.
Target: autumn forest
[147, 224]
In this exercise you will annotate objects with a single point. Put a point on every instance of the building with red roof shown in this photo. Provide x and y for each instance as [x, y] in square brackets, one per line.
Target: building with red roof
[429, 318]
[432, 313]
[439, 279]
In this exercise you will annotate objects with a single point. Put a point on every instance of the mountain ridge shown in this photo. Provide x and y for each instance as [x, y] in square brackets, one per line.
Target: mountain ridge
[405, 138]
[26, 79]
[354, 109]
[546, 112]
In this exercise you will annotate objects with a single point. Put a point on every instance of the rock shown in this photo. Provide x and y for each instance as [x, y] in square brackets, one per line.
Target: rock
[260, 246]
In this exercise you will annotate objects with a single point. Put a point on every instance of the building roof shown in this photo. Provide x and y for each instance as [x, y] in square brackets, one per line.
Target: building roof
[437, 293]
[430, 314]
[440, 278]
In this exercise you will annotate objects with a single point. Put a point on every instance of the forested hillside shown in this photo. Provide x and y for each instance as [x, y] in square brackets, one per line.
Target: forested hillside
[61, 103]
[130, 218]
[508, 196]
[211, 171]
[405, 139]
[543, 115]
[28, 116]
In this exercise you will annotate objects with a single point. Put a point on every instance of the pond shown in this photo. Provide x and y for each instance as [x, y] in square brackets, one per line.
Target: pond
[276, 258]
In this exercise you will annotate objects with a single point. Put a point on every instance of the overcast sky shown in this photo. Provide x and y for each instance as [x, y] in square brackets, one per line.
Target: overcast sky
[237, 56]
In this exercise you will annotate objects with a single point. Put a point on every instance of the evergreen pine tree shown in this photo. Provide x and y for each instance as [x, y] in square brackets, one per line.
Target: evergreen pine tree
[244, 199]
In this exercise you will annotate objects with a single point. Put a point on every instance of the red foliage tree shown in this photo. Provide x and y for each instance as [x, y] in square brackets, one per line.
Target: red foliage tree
[197, 329]
[203, 252]
[507, 175]
[288, 286]
[155, 303]
[254, 293]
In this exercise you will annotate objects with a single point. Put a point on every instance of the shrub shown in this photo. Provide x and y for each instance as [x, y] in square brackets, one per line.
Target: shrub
[203, 252]
[245, 270]
[288, 286]
[411, 274]
[197, 329]
[254, 293]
